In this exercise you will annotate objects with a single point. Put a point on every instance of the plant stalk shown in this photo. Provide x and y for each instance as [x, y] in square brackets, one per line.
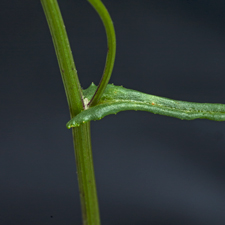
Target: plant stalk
[85, 173]
[111, 52]
[81, 135]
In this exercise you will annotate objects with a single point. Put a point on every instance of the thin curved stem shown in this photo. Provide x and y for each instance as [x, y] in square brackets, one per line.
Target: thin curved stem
[111, 53]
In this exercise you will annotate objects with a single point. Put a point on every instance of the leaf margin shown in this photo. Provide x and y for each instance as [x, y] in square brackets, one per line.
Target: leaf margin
[117, 98]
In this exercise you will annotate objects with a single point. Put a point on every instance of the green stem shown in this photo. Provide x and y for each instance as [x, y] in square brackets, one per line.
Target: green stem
[111, 40]
[81, 135]
[86, 177]
[64, 55]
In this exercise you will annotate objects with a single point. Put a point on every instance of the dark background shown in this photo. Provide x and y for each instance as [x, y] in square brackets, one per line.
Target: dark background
[149, 169]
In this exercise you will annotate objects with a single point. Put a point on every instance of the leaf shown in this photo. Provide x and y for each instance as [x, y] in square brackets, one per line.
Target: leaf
[117, 98]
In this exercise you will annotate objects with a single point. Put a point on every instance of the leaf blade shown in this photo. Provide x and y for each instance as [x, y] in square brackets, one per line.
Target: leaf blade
[116, 99]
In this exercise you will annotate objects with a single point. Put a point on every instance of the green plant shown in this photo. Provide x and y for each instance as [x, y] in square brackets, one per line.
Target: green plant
[96, 102]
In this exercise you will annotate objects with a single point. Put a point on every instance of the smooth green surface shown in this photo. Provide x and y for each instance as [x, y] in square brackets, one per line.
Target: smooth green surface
[81, 135]
[116, 99]
[85, 174]
[111, 52]
[64, 55]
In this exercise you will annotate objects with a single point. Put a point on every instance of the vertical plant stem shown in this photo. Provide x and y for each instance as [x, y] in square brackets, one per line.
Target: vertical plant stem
[85, 173]
[81, 135]
[64, 56]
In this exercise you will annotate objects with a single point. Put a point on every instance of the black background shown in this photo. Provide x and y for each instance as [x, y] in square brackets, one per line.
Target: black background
[149, 169]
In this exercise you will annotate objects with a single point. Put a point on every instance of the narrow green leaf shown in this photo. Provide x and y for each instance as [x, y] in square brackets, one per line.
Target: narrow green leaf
[117, 98]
